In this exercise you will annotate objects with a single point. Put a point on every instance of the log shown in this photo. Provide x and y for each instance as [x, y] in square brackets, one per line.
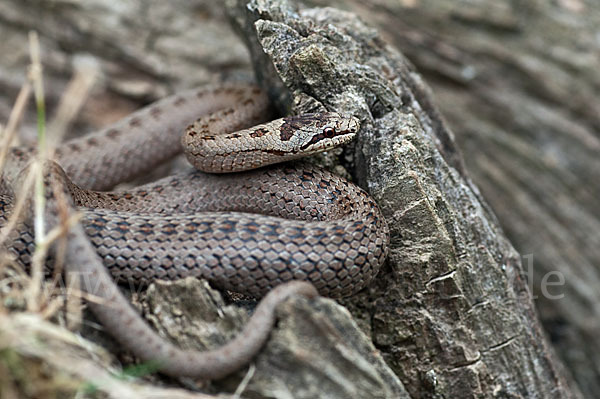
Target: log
[518, 84]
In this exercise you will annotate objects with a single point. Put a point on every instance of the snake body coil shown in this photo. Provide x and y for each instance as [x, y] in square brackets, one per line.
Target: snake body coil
[248, 232]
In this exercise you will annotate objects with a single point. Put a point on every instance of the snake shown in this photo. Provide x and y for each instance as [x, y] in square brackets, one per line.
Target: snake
[276, 227]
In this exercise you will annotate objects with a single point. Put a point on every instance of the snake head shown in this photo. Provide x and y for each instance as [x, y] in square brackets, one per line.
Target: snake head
[312, 133]
[281, 140]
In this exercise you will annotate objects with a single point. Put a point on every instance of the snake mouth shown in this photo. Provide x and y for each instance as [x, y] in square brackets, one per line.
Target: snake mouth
[317, 143]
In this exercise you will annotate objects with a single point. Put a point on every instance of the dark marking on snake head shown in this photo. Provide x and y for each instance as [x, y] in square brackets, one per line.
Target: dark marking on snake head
[74, 147]
[259, 132]
[286, 132]
[256, 91]
[248, 101]
[92, 142]
[293, 123]
[228, 111]
[180, 101]
[278, 152]
[315, 139]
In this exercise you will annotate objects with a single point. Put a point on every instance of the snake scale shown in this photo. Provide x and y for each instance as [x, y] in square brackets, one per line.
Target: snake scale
[254, 232]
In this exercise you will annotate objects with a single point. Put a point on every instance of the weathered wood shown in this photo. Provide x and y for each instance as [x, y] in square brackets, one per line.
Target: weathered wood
[518, 83]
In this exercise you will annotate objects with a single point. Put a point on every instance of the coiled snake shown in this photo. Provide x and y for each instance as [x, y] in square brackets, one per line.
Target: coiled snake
[251, 232]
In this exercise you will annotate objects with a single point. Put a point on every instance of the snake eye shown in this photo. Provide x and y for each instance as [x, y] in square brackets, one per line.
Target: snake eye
[329, 132]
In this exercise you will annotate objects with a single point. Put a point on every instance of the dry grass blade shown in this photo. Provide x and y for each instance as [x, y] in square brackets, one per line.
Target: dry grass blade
[71, 102]
[37, 268]
[77, 91]
[40, 347]
[16, 115]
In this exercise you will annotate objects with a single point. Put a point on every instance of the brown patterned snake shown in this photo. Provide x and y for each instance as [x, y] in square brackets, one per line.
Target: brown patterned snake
[249, 232]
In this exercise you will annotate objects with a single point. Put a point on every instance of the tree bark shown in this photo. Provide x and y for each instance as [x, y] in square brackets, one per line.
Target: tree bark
[451, 313]
[518, 83]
